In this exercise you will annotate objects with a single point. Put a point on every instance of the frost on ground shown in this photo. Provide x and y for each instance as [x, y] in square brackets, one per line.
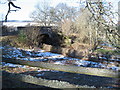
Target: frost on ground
[41, 55]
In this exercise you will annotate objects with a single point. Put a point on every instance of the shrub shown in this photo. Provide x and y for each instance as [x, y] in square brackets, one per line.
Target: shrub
[22, 37]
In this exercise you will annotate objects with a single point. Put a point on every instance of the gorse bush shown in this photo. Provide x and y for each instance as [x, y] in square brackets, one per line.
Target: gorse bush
[22, 37]
[28, 36]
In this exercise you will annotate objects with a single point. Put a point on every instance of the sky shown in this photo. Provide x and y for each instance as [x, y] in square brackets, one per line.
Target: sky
[28, 6]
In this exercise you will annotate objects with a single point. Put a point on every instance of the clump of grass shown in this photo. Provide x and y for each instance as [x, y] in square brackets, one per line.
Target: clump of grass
[105, 51]
[20, 40]
[22, 37]
[5, 40]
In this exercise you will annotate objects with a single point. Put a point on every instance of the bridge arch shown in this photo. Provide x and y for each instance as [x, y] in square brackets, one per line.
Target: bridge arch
[44, 38]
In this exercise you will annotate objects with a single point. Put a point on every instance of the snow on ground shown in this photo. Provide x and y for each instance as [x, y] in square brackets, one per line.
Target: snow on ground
[41, 55]
[12, 65]
[38, 49]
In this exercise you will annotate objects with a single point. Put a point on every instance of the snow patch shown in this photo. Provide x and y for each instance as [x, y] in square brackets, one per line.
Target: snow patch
[11, 65]
[82, 63]
[42, 74]
[40, 55]
[59, 62]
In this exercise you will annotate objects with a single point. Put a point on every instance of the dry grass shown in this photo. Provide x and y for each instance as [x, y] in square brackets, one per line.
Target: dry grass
[21, 70]
[6, 38]
[80, 46]
[13, 41]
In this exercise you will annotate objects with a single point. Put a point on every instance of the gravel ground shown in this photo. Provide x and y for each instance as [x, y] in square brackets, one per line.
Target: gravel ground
[8, 83]
[72, 78]
[78, 79]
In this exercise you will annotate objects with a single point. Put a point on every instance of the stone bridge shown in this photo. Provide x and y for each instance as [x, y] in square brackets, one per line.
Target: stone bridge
[47, 34]
[43, 30]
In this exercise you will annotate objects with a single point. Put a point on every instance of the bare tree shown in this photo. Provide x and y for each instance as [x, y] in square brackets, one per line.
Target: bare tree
[50, 15]
[66, 15]
[41, 14]
[65, 12]
[105, 29]
[10, 3]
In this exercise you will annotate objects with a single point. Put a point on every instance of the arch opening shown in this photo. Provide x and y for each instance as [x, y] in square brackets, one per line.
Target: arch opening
[44, 39]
